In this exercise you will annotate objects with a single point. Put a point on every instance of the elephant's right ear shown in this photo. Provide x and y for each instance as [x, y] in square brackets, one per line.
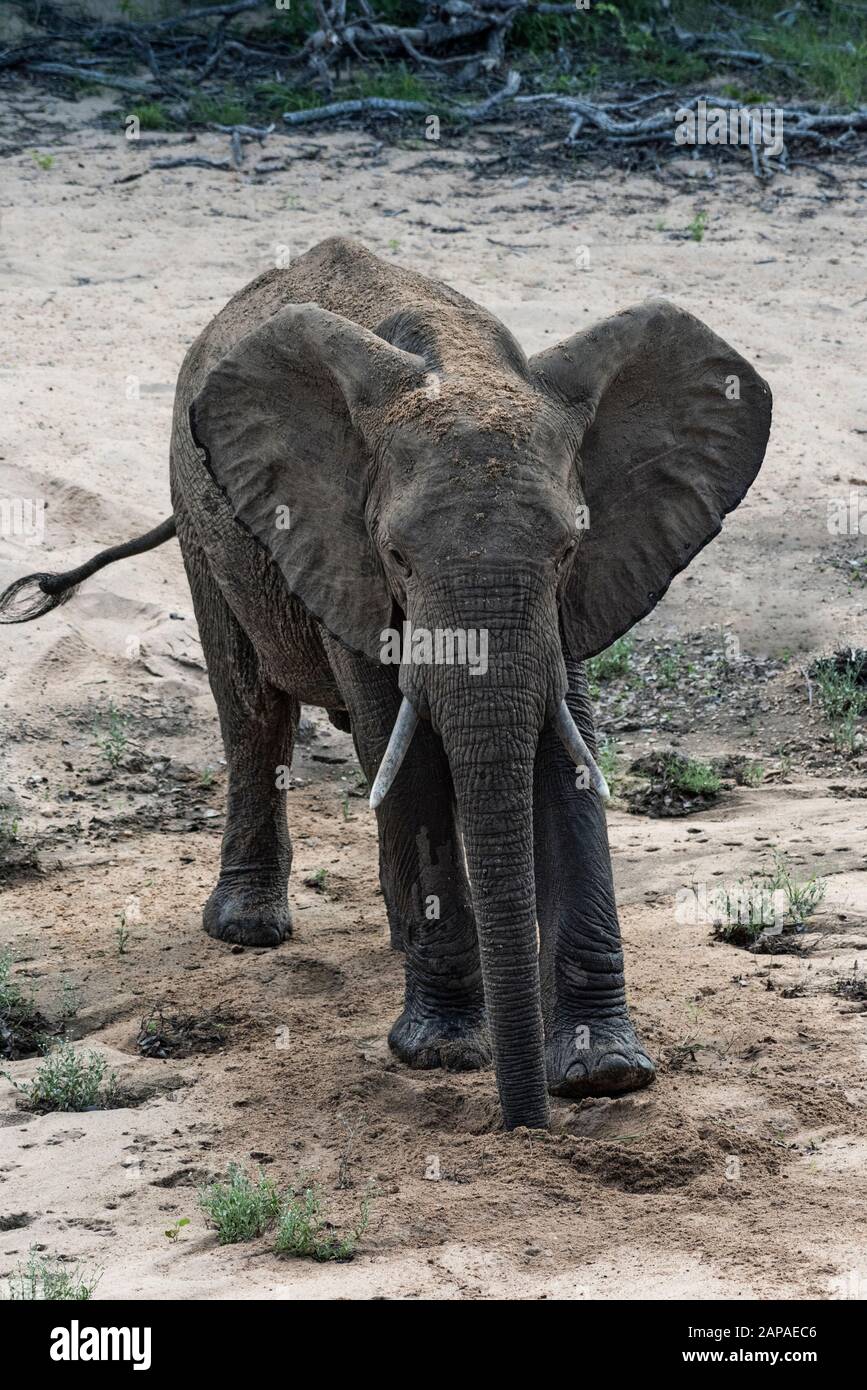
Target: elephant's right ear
[281, 419]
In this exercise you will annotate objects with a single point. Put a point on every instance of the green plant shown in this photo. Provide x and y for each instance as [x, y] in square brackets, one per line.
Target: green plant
[152, 115]
[397, 82]
[802, 896]
[227, 109]
[68, 1001]
[670, 663]
[175, 1229]
[841, 681]
[69, 1080]
[240, 1208]
[691, 777]
[318, 880]
[273, 97]
[23, 1029]
[45, 1279]
[45, 161]
[742, 912]
[611, 663]
[752, 774]
[698, 226]
[122, 935]
[769, 898]
[113, 742]
[302, 1229]
[608, 760]
[9, 827]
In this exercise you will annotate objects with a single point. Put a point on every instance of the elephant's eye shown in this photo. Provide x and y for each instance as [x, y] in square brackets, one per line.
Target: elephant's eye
[567, 555]
[399, 562]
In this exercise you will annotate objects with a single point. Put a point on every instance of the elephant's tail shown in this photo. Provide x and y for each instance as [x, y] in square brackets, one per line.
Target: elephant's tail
[37, 594]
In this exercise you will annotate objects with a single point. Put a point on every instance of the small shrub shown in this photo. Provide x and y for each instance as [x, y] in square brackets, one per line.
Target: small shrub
[113, 741]
[752, 775]
[742, 913]
[698, 226]
[240, 1208]
[243, 1208]
[774, 902]
[692, 777]
[841, 681]
[23, 1029]
[302, 1229]
[852, 986]
[9, 828]
[46, 1279]
[676, 786]
[69, 1080]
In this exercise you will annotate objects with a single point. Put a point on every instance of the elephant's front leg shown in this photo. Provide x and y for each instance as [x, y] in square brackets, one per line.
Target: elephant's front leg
[423, 880]
[591, 1047]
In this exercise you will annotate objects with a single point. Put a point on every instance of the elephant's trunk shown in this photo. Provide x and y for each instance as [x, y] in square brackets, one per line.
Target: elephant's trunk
[489, 721]
[492, 770]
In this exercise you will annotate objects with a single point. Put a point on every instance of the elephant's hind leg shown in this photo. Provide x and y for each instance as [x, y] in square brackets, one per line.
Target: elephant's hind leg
[590, 1043]
[249, 903]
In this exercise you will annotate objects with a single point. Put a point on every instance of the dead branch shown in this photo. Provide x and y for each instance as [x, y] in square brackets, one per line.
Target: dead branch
[88, 74]
[196, 161]
[391, 107]
[387, 105]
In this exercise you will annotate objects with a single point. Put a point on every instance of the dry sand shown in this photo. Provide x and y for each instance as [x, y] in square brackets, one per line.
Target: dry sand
[105, 285]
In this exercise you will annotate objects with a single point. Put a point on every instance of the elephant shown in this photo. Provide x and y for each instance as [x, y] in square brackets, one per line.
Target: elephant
[357, 451]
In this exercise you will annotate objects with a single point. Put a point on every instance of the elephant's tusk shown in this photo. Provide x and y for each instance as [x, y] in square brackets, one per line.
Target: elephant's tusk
[578, 750]
[401, 737]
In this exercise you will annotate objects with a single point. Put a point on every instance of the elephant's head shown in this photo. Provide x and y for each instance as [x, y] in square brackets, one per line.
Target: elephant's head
[432, 473]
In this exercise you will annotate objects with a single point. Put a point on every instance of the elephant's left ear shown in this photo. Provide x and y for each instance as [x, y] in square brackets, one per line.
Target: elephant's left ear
[673, 425]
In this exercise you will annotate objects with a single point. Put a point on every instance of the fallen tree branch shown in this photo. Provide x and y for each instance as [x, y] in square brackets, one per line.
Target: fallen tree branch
[197, 161]
[392, 107]
[207, 12]
[387, 105]
[104, 79]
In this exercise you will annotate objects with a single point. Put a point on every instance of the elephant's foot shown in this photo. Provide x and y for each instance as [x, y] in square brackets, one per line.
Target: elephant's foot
[454, 1039]
[603, 1059]
[248, 912]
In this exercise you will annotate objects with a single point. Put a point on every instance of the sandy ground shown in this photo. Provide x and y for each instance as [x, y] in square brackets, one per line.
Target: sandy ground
[741, 1172]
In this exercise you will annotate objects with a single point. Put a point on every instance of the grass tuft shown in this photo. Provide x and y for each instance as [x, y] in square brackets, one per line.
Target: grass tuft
[46, 1279]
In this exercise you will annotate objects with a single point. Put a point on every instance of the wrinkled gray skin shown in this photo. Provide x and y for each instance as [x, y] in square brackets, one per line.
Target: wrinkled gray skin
[432, 472]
